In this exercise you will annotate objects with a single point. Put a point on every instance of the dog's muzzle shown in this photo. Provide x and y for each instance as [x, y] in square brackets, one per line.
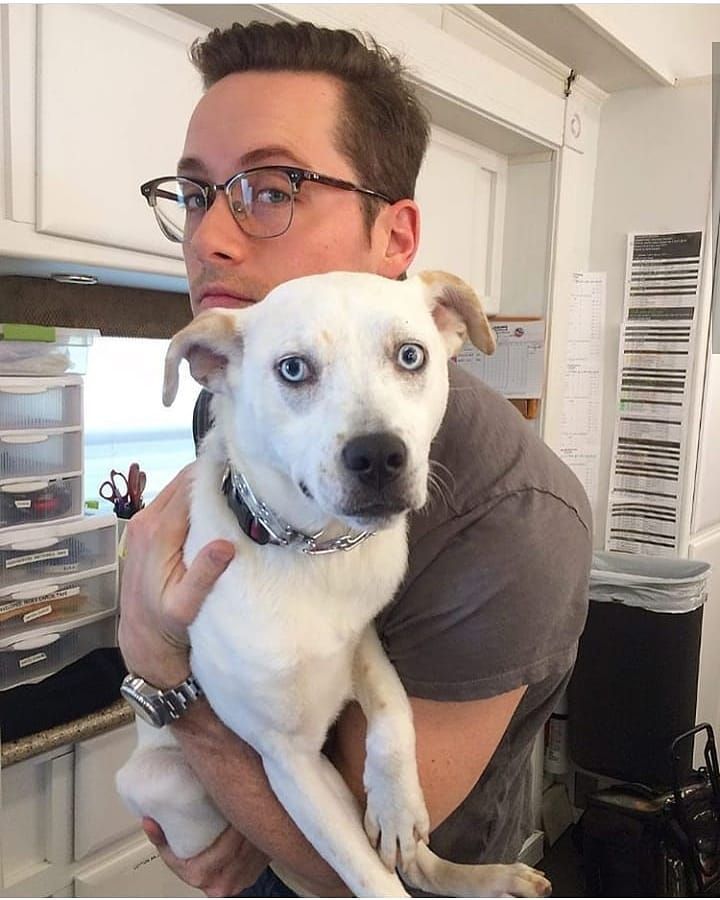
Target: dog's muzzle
[375, 459]
[376, 485]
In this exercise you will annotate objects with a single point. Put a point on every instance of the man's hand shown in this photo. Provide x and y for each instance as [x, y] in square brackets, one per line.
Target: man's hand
[160, 597]
[228, 866]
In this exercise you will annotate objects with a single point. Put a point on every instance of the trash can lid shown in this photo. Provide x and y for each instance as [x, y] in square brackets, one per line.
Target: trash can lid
[659, 584]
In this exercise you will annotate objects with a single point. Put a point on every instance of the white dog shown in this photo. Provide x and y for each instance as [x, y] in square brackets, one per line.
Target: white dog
[327, 397]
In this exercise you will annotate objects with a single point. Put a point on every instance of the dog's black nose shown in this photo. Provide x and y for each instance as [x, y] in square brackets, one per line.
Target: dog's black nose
[376, 459]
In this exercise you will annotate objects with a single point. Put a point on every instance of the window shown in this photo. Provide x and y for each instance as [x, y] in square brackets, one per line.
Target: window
[125, 420]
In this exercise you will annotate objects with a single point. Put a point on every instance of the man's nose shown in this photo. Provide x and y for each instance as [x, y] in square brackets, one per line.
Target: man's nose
[376, 459]
[218, 234]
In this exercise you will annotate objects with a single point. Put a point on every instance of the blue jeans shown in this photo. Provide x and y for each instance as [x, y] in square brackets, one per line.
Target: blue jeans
[267, 885]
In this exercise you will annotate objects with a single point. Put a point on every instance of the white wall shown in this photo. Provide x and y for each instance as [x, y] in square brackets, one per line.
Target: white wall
[653, 174]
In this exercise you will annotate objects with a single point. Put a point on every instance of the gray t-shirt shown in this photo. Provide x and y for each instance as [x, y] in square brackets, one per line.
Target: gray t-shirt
[495, 597]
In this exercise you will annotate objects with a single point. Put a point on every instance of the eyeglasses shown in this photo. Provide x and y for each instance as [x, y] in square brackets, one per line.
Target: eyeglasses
[261, 200]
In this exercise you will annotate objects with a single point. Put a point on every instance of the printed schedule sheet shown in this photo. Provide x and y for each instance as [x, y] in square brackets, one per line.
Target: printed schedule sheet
[657, 355]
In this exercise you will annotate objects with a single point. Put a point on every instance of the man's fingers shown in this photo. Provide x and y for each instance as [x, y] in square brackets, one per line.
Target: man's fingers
[197, 582]
[153, 832]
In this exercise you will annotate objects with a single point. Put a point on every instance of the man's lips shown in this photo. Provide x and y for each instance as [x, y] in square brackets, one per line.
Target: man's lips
[219, 298]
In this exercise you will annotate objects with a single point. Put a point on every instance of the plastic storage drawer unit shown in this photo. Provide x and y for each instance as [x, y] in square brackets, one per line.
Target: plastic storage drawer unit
[44, 350]
[38, 603]
[26, 502]
[43, 652]
[32, 403]
[55, 550]
[29, 454]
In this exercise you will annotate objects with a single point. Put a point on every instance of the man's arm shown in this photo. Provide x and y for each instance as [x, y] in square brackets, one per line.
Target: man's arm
[454, 743]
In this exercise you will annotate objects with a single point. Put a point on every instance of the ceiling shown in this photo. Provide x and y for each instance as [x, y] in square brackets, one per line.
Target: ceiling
[619, 46]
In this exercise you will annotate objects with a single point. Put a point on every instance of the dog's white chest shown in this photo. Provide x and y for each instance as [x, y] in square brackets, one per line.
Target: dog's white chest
[274, 642]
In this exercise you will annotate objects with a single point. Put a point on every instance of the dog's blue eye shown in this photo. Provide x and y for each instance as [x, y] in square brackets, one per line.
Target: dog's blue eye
[411, 357]
[294, 369]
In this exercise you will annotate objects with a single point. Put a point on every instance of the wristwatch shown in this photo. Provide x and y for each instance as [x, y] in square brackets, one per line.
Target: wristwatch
[160, 707]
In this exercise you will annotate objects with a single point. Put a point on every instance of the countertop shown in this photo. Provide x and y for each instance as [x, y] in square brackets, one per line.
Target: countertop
[113, 716]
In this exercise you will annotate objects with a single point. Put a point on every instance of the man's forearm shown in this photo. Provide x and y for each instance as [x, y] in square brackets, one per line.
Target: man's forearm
[233, 774]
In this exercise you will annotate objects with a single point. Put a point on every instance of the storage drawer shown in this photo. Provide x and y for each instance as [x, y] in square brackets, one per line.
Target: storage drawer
[28, 454]
[44, 350]
[45, 651]
[37, 604]
[55, 550]
[26, 502]
[29, 403]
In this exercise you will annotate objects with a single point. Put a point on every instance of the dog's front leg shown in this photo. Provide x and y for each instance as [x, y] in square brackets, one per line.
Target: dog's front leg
[324, 809]
[396, 816]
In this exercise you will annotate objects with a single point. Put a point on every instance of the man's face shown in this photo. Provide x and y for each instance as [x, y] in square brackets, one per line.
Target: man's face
[253, 118]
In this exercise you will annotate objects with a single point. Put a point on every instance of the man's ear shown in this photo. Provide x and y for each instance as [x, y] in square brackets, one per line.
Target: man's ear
[396, 235]
[457, 311]
[207, 343]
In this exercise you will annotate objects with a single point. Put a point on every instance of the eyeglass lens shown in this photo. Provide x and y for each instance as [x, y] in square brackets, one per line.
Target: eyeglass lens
[261, 203]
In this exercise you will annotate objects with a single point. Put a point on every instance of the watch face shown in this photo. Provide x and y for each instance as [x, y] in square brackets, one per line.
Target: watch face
[144, 700]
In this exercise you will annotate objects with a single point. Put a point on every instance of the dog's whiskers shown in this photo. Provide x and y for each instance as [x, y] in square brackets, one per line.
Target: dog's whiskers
[438, 489]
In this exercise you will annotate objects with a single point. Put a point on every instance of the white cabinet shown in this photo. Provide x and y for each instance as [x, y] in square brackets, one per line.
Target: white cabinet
[461, 191]
[134, 871]
[93, 101]
[112, 119]
[100, 816]
[35, 840]
[64, 831]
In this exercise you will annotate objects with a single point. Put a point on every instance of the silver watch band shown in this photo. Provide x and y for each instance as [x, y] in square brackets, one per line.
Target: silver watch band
[177, 699]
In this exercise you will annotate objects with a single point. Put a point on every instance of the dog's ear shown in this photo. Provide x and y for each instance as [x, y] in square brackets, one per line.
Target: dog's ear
[457, 311]
[206, 343]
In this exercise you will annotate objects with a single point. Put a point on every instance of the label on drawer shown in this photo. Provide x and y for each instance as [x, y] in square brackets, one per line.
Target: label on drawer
[31, 660]
[37, 613]
[29, 608]
[36, 557]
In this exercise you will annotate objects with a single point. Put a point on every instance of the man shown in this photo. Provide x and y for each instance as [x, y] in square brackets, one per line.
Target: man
[484, 630]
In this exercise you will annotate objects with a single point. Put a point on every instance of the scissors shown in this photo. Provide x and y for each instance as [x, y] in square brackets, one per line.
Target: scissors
[115, 489]
[125, 493]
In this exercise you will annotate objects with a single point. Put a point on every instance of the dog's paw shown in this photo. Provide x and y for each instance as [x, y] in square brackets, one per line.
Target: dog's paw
[514, 880]
[435, 875]
[396, 817]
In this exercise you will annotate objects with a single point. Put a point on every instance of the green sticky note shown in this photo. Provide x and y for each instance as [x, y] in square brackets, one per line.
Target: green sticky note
[19, 332]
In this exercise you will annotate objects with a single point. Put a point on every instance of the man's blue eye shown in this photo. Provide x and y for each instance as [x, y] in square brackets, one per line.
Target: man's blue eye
[272, 196]
[194, 202]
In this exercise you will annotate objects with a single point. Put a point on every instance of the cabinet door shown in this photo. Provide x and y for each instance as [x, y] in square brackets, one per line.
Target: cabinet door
[461, 192]
[115, 91]
[136, 871]
[100, 815]
[36, 827]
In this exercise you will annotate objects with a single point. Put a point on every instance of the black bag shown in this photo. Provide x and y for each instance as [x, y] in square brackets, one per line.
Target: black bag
[640, 842]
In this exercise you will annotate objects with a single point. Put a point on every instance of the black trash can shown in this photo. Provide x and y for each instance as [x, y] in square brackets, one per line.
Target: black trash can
[634, 688]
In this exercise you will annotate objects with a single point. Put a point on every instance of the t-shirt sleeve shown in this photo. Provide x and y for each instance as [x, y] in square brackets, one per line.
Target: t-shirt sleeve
[492, 600]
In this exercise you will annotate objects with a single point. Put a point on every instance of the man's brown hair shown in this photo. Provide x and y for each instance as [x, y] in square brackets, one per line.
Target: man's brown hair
[383, 129]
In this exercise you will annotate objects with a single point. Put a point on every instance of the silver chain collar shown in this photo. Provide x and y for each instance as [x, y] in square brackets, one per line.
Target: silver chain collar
[284, 535]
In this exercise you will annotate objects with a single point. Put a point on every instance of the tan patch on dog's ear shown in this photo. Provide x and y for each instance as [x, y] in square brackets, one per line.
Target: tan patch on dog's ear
[206, 343]
[457, 311]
